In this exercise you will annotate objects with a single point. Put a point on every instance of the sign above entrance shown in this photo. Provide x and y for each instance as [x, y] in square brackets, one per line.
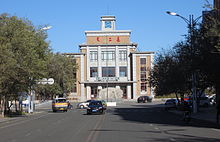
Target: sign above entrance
[105, 79]
[108, 40]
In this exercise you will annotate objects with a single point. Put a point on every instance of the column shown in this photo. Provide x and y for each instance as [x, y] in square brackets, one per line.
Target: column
[99, 89]
[117, 61]
[88, 63]
[99, 62]
[128, 91]
[128, 64]
[88, 92]
[134, 76]
[82, 95]
[82, 79]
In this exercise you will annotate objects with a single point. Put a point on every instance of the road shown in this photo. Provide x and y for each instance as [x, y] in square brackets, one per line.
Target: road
[128, 122]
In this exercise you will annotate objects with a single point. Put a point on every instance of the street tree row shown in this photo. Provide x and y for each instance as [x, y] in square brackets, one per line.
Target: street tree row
[25, 57]
[193, 60]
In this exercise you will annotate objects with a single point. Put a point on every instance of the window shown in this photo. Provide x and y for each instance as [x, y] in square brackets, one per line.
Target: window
[108, 24]
[93, 56]
[94, 92]
[122, 55]
[122, 71]
[93, 71]
[108, 55]
[143, 74]
[144, 87]
[143, 61]
[143, 69]
[108, 71]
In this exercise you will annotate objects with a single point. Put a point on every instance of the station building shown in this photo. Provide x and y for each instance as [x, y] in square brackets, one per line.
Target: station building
[108, 58]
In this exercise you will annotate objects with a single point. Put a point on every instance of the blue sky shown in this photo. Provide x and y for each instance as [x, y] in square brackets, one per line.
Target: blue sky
[151, 27]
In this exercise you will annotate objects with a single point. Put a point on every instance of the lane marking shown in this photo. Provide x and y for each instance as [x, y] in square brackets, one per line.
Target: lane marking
[28, 134]
[94, 134]
[172, 139]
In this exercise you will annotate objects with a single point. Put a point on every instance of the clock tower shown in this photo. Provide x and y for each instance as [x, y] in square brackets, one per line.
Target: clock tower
[108, 23]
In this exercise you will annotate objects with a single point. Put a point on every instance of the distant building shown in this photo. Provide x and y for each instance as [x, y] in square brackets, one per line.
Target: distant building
[108, 59]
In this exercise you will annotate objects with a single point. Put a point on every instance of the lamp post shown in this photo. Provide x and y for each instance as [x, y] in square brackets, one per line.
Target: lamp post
[191, 23]
[31, 96]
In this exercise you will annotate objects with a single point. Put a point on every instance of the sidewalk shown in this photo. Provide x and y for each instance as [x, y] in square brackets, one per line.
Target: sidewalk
[38, 105]
[207, 114]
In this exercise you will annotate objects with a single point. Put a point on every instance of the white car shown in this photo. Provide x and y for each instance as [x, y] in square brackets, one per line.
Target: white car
[83, 104]
[212, 99]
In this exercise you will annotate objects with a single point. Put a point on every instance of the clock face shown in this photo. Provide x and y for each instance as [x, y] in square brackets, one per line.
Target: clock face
[108, 24]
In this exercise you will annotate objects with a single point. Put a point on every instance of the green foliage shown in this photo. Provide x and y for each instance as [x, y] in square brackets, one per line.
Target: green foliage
[62, 69]
[25, 57]
[23, 54]
[168, 75]
[199, 53]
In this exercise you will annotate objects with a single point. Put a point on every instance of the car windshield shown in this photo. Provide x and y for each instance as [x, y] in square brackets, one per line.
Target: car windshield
[171, 100]
[95, 103]
[60, 100]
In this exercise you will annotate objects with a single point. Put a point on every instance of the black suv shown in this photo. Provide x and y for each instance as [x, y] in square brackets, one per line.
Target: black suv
[144, 99]
[96, 107]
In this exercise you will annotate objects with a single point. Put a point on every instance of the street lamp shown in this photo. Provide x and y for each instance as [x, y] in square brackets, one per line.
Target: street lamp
[45, 28]
[191, 23]
[31, 96]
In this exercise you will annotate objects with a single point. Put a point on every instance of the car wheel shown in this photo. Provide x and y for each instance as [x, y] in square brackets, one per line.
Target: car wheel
[81, 106]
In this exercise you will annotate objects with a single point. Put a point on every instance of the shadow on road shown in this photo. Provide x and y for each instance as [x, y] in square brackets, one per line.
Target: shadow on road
[155, 114]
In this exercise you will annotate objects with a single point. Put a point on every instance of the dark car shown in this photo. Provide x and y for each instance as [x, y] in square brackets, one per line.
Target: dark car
[171, 103]
[96, 107]
[144, 99]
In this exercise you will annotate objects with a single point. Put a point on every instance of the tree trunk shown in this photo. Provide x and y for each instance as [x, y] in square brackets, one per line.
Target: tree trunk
[3, 106]
[177, 98]
[16, 109]
[0, 104]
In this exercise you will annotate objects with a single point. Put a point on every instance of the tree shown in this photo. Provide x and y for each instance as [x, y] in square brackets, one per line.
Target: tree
[168, 75]
[62, 69]
[209, 51]
[23, 56]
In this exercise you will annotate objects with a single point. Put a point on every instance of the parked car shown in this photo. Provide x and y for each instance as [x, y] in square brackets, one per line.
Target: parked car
[83, 105]
[212, 99]
[204, 101]
[171, 103]
[144, 99]
[96, 107]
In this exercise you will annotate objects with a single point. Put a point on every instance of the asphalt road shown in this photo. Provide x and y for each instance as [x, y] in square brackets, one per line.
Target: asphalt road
[128, 122]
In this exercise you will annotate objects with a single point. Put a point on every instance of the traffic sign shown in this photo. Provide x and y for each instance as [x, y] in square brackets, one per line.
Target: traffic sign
[50, 81]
